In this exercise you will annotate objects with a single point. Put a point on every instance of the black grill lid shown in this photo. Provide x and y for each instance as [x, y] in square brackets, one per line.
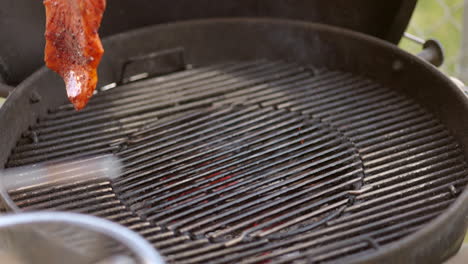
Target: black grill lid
[383, 19]
[22, 21]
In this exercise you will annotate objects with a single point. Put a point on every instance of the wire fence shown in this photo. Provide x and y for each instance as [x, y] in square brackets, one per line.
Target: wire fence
[442, 20]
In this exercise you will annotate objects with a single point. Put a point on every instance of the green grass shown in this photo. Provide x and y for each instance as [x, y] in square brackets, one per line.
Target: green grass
[431, 20]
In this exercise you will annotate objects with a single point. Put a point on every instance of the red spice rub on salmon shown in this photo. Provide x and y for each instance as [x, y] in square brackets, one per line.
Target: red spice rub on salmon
[73, 48]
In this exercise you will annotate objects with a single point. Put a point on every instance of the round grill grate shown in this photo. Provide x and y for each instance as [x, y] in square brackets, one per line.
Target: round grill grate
[229, 172]
[254, 161]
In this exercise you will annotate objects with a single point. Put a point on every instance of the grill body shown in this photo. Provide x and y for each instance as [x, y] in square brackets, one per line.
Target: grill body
[281, 141]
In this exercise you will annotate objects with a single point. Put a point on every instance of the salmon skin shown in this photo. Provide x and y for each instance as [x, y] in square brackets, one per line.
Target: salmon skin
[73, 48]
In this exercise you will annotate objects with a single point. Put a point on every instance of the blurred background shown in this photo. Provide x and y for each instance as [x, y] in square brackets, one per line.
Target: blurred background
[442, 20]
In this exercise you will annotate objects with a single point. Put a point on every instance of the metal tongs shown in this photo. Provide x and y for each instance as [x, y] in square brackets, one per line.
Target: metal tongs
[52, 237]
[103, 168]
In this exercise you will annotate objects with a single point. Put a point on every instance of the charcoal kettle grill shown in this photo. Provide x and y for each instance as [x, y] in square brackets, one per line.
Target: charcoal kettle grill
[256, 132]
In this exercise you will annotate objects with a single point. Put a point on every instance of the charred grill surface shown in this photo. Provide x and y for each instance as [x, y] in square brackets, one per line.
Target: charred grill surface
[253, 161]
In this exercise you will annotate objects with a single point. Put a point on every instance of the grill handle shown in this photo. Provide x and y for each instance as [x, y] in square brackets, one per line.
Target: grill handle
[152, 64]
[432, 52]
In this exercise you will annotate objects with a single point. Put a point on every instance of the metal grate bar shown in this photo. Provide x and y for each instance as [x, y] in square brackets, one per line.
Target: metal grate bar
[354, 111]
[394, 207]
[402, 187]
[45, 189]
[333, 103]
[398, 138]
[318, 147]
[48, 133]
[260, 168]
[188, 246]
[424, 191]
[379, 163]
[175, 82]
[440, 169]
[167, 124]
[443, 157]
[380, 121]
[321, 87]
[220, 139]
[414, 139]
[127, 89]
[216, 248]
[210, 129]
[330, 97]
[276, 137]
[312, 129]
[259, 93]
[389, 214]
[19, 159]
[60, 143]
[162, 102]
[218, 253]
[393, 236]
[171, 241]
[394, 130]
[318, 140]
[56, 157]
[308, 241]
[253, 162]
[283, 218]
[281, 256]
[419, 153]
[73, 147]
[271, 213]
[344, 249]
[359, 117]
[38, 202]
